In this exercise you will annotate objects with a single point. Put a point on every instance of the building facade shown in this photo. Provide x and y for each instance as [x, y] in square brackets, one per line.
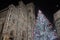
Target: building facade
[57, 21]
[31, 20]
[17, 22]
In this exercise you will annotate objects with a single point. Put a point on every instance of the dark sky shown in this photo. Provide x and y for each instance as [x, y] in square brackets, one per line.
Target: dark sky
[48, 7]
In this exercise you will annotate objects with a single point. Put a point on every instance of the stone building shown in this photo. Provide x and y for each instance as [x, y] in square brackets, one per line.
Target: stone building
[10, 25]
[2, 20]
[22, 25]
[31, 20]
[57, 21]
[17, 22]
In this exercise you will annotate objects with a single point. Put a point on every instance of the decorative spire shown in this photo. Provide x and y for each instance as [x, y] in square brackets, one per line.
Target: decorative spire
[11, 8]
[21, 4]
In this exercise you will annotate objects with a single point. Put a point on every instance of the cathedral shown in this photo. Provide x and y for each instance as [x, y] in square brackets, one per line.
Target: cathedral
[17, 22]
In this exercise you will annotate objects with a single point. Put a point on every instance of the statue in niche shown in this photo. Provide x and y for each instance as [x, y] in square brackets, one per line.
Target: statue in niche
[11, 35]
[23, 35]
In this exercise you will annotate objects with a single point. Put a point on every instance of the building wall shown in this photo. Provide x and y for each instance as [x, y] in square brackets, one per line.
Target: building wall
[22, 26]
[10, 25]
[26, 18]
[19, 22]
[31, 20]
[2, 20]
[57, 21]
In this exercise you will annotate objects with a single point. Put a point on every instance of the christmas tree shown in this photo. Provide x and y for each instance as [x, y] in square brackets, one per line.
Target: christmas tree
[43, 29]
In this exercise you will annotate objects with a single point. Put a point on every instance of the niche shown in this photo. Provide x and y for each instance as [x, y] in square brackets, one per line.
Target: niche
[23, 35]
[11, 35]
[29, 10]
[13, 20]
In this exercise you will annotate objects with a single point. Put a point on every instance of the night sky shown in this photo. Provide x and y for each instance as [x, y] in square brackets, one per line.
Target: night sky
[48, 7]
